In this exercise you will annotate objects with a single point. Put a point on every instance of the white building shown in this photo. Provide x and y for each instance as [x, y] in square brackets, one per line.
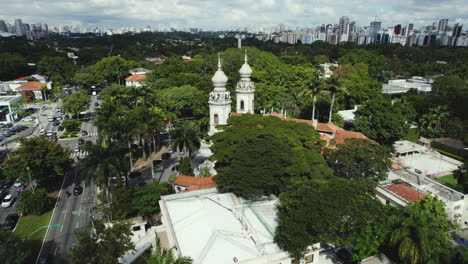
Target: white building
[8, 114]
[400, 86]
[327, 73]
[220, 100]
[214, 228]
[245, 90]
[403, 186]
[135, 80]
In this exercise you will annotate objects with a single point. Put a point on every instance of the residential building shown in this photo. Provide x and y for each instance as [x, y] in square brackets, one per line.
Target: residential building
[401, 86]
[403, 187]
[184, 183]
[140, 71]
[374, 29]
[442, 25]
[32, 90]
[213, 228]
[135, 80]
[8, 113]
[343, 28]
[19, 29]
[3, 26]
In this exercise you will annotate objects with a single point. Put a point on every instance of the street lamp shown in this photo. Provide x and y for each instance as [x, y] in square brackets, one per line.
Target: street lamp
[30, 180]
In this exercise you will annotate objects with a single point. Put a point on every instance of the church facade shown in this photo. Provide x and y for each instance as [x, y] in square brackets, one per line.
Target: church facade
[220, 98]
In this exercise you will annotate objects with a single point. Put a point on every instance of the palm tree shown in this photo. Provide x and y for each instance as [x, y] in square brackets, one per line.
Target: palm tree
[334, 86]
[314, 85]
[186, 137]
[431, 123]
[105, 161]
[165, 256]
[415, 238]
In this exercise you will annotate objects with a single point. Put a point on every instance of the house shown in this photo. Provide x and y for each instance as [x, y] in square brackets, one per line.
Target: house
[212, 228]
[401, 86]
[157, 60]
[348, 115]
[8, 113]
[139, 71]
[135, 80]
[403, 186]
[186, 58]
[32, 90]
[184, 183]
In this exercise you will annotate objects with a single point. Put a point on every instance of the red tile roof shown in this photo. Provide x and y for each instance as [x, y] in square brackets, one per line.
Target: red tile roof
[31, 86]
[342, 135]
[22, 78]
[136, 77]
[187, 181]
[405, 192]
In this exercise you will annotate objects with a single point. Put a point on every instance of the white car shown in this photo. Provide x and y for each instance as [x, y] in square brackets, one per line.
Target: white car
[77, 149]
[28, 119]
[7, 201]
[18, 184]
[50, 133]
[42, 131]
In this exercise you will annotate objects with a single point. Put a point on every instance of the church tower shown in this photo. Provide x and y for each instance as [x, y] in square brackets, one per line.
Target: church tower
[220, 100]
[245, 90]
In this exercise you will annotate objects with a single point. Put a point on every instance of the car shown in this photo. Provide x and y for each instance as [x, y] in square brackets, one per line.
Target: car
[60, 128]
[59, 109]
[163, 132]
[42, 131]
[28, 119]
[175, 168]
[77, 190]
[5, 184]
[140, 185]
[157, 162]
[84, 133]
[81, 141]
[7, 134]
[50, 133]
[50, 118]
[18, 184]
[96, 104]
[8, 201]
[165, 156]
[10, 221]
[8, 125]
[134, 174]
[66, 116]
[56, 123]
[44, 259]
[77, 149]
[58, 118]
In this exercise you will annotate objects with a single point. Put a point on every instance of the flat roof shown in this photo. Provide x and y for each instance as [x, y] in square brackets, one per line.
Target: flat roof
[213, 228]
[405, 146]
[9, 98]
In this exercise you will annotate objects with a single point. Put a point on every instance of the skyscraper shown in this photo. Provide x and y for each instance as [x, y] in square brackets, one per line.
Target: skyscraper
[397, 29]
[3, 26]
[443, 23]
[374, 29]
[457, 29]
[343, 27]
[19, 29]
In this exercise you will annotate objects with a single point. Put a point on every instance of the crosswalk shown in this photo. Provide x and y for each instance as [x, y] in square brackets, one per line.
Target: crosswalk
[92, 134]
[79, 154]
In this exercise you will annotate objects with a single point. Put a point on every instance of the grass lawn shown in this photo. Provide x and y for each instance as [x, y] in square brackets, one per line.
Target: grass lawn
[29, 224]
[451, 182]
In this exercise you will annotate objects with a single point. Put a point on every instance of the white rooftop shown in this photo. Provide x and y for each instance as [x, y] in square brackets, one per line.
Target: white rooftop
[213, 228]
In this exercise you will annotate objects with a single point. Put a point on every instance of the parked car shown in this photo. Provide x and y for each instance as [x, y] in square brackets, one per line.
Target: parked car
[18, 184]
[8, 201]
[77, 190]
[50, 133]
[60, 128]
[96, 104]
[81, 141]
[50, 118]
[44, 259]
[140, 185]
[8, 125]
[84, 133]
[56, 123]
[42, 131]
[165, 156]
[134, 174]
[10, 221]
[28, 119]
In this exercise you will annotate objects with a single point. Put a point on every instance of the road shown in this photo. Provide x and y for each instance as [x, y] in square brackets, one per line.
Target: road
[12, 209]
[72, 213]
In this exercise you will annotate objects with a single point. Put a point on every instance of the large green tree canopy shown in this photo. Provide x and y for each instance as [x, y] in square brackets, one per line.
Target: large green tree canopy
[258, 155]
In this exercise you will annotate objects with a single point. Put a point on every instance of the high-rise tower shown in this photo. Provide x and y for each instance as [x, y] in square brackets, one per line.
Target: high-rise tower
[245, 90]
[220, 100]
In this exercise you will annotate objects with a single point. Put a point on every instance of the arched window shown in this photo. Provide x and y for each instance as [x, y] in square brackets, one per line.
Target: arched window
[216, 121]
[242, 105]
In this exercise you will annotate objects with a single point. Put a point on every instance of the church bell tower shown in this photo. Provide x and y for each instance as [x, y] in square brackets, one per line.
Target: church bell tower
[220, 100]
[245, 90]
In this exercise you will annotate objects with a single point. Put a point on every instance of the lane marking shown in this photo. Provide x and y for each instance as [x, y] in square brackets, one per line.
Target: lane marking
[77, 222]
[55, 251]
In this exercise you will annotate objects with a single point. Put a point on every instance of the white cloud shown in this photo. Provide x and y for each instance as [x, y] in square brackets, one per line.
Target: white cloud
[220, 14]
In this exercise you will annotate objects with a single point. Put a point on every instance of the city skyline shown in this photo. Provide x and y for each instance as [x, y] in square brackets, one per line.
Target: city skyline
[213, 15]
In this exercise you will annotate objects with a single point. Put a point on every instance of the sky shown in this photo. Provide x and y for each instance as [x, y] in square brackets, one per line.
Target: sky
[230, 14]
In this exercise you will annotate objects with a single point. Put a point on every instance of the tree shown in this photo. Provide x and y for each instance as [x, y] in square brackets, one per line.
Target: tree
[320, 59]
[76, 103]
[461, 174]
[185, 166]
[384, 121]
[71, 125]
[358, 158]
[416, 236]
[102, 245]
[112, 69]
[314, 85]
[58, 69]
[33, 202]
[145, 201]
[333, 85]
[165, 256]
[312, 211]
[186, 137]
[44, 160]
[432, 123]
[12, 249]
[12, 66]
[121, 204]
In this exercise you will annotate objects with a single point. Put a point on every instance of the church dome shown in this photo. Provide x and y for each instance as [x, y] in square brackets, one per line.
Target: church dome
[219, 79]
[245, 71]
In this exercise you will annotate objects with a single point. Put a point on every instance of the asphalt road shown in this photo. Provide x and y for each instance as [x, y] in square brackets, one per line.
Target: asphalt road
[9, 210]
